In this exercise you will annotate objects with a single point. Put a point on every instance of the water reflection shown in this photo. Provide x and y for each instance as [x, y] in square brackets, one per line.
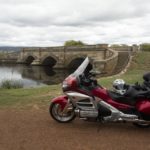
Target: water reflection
[32, 76]
[44, 74]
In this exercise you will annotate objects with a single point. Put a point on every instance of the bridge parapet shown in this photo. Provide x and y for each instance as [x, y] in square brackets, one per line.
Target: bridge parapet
[108, 65]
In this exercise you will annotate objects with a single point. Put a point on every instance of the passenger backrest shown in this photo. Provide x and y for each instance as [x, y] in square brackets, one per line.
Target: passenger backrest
[146, 77]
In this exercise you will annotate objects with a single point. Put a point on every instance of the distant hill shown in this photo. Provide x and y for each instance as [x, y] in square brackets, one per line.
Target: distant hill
[9, 48]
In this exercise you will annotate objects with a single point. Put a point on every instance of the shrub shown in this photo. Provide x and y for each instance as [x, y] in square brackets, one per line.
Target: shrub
[73, 43]
[11, 84]
[145, 47]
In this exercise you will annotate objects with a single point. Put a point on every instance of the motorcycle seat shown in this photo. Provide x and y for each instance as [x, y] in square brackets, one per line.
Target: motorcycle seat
[121, 98]
[137, 93]
[131, 96]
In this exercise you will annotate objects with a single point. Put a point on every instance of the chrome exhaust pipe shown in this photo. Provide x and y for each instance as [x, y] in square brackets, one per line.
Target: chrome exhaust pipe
[141, 121]
[132, 120]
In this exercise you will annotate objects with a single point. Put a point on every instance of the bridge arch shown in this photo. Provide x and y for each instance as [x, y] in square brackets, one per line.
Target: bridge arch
[29, 59]
[75, 62]
[49, 61]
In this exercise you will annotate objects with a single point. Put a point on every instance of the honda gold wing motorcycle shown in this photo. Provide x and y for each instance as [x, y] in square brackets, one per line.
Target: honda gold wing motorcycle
[85, 98]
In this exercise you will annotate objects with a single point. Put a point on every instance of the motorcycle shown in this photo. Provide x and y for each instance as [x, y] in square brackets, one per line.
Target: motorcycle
[85, 98]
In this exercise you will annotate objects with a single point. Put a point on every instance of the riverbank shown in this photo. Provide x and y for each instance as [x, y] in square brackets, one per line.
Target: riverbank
[39, 97]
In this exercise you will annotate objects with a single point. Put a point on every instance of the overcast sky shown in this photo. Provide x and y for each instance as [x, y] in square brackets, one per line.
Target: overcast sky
[52, 22]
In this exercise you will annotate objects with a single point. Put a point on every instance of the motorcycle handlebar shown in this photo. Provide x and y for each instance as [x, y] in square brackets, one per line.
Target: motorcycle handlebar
[87, 80]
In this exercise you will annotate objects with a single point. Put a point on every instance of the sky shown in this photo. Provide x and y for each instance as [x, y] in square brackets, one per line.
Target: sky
[52, 22]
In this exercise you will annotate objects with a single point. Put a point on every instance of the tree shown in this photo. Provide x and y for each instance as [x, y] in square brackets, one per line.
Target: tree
[73, 43]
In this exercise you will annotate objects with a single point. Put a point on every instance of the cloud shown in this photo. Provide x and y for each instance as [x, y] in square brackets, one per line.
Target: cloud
[52, 22]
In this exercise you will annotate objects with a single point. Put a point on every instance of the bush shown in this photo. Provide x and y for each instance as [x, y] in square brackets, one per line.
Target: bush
[145, 47]
[11, 84]
[118, 45]
[73, 43]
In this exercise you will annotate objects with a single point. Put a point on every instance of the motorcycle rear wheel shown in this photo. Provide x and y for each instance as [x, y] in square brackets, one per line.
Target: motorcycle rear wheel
[142, 125]
[57, 113]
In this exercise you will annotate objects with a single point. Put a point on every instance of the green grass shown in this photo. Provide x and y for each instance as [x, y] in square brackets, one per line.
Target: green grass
[140, 64]
[41, 96]
[28, 97]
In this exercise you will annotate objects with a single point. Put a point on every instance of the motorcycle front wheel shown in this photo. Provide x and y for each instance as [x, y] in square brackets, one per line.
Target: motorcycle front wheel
[62, 116]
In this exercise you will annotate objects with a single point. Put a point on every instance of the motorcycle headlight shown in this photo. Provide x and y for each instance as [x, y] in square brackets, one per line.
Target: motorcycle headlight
[65, 86]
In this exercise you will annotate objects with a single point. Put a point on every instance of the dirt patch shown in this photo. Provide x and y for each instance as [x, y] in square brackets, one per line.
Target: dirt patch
[35, 130]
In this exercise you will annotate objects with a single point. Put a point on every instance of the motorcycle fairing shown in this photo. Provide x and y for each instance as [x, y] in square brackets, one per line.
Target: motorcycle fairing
[62, 100]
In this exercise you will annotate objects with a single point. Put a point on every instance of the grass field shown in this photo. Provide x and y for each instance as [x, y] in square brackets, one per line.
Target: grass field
[19, 98]
[140, 64]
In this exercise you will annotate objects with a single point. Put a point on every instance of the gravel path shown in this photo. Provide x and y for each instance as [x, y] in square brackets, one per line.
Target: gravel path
[34, 130]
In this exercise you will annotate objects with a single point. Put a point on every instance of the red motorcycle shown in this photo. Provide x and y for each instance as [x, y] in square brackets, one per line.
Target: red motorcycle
[83, 97]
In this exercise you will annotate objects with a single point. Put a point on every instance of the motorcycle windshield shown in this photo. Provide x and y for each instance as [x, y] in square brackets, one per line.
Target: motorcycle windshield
[85, 67]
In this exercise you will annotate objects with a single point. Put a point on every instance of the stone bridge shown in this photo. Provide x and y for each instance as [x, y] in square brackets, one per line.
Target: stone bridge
[63, 57]
[108, 59]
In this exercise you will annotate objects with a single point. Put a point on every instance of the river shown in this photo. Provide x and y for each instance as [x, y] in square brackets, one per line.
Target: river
[32, 76]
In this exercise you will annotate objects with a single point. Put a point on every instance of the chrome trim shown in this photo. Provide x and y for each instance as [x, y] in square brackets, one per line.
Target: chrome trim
[117, 115]
[75, 97]
[85, 103]
[92, 113]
